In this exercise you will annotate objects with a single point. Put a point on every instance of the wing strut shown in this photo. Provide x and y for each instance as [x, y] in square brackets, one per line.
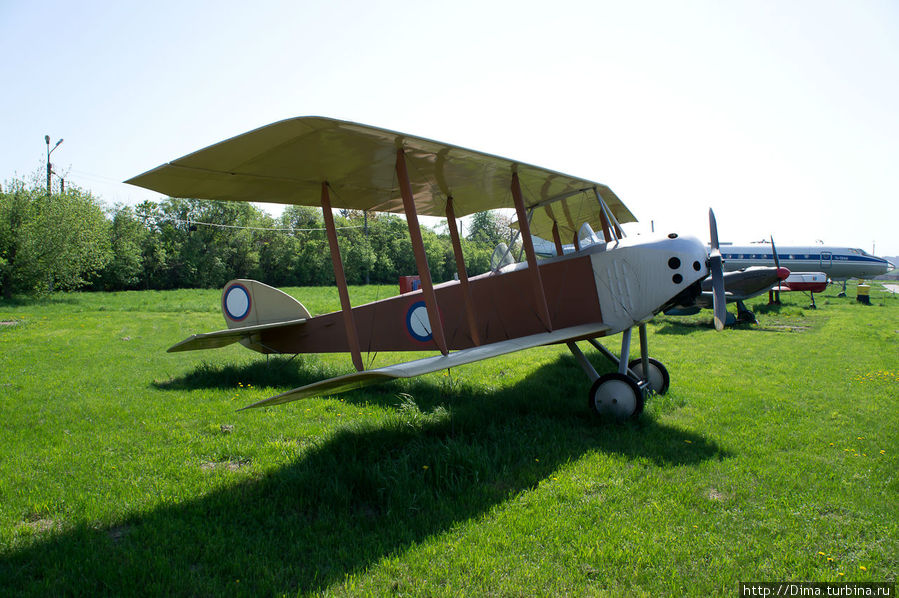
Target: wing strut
[352, 335]
[418, 248]
[525, 228]
[606, 212]
[557, 239]
[463, 275]
[605, 226]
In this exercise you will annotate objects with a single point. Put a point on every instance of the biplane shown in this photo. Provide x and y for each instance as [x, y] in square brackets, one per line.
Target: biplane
[606, 288]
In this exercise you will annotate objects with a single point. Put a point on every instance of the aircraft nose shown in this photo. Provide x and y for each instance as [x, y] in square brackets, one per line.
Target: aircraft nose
[783, 273]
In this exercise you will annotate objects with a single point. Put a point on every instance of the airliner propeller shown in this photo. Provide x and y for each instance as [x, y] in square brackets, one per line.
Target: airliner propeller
[782, 273]
[717, 269]
[774, 251]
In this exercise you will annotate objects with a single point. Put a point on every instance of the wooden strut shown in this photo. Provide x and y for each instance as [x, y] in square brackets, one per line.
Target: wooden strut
[463, 275]
[352, 334]
[525, 228]
[418, 248]
[557, 239]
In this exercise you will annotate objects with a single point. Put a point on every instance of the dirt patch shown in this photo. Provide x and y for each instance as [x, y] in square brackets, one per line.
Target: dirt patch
[230, 465]
[787, 328]
[715, 495]
[38, 524]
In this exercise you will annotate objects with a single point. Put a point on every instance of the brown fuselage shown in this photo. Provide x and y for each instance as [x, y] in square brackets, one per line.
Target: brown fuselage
[504, 305]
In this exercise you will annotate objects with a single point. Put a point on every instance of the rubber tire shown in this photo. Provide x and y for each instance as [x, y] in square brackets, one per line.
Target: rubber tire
[616, 396]
[658, 374]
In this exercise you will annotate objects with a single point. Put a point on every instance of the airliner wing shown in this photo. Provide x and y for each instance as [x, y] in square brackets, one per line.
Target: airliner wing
[427, 365]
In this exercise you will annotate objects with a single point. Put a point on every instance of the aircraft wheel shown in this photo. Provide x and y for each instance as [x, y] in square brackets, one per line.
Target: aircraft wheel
[616, 395]
[747, 317]
[658, 374]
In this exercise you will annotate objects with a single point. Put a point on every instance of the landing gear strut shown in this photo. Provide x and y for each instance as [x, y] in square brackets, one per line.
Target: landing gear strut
[744, 315]
[622, 394]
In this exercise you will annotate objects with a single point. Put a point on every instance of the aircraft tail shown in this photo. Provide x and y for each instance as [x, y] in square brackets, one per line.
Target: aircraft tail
[249, 308]
[251, 303]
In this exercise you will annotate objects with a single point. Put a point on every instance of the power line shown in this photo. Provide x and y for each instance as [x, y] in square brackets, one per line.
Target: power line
[289, 230]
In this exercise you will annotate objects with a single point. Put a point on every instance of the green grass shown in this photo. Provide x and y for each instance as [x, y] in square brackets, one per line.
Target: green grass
[127, 470]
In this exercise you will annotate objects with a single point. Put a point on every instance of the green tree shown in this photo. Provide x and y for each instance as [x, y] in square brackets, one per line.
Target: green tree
[487, 228]
[126, 268]
[208, 243]
[153, 253]
[50, 243]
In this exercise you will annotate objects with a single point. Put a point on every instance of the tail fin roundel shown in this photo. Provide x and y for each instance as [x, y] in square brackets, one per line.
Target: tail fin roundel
[250, 303]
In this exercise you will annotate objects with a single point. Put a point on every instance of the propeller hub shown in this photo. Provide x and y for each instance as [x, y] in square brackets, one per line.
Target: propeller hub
[783, 273]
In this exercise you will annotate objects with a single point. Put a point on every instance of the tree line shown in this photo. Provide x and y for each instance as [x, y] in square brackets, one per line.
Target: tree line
[69, 240]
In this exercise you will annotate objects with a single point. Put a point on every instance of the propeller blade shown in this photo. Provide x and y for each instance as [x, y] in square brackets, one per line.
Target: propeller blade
[716, 268]
[713, 229]
[774, 249]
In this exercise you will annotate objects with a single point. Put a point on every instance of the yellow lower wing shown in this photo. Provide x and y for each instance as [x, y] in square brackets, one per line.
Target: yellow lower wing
[427, 365]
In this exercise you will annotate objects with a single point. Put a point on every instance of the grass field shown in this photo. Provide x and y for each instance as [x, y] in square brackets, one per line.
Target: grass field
[127, 470]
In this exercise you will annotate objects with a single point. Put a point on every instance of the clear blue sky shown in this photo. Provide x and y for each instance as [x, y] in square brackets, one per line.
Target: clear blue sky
[783, 116]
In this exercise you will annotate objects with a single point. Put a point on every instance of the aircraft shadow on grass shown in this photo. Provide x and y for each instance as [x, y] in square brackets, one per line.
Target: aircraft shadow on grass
[276, 372]
[366, 492]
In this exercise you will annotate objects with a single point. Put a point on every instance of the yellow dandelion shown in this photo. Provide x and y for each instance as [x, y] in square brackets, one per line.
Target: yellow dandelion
[821, 553]
[830, 559]
[883, 452]
[841, 574]
[688, 441]
[862, 567]
[424, 466]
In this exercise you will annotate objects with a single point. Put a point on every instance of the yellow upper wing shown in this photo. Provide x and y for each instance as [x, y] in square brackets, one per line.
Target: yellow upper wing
[287, 161]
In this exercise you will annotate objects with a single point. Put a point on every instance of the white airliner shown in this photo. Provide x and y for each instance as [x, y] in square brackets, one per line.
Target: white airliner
[838, 263]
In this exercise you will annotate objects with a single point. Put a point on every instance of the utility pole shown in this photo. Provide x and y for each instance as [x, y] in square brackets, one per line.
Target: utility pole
[49, 166]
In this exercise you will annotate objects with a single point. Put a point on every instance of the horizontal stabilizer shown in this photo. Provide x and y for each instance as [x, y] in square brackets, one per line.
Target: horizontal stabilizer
[432, 364]
[223, 338]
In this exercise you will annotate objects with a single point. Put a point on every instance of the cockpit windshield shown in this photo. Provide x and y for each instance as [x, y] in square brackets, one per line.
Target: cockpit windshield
[586, 237]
